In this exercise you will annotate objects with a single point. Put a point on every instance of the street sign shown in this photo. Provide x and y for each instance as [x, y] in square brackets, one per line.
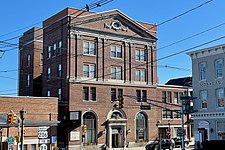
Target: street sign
[54, 139]
[43, 147]
[42, 134]
[44, 141]
[10, 140]
[180, 132]
[145, 107]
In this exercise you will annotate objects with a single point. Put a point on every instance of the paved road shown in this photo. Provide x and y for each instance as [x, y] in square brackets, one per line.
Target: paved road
[186, 148]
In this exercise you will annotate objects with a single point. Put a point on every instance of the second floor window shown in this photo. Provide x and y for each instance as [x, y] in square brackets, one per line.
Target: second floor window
[202, 71]
[116, 72]
[89, 70]
[169, 98]
[175, 98]
[140, 75]
[116, 92]
[219, 66]
[48, 73]
[203, 98]
[116, 51]
[89, 47]
[89, 93]
[28, 61]
[140, 55]
[60, 94]
[167, 114]
[60, 48]
[220, 97]
[141, 95]
[59, 70]
[54, 50]
[28, 80]
[49, 52]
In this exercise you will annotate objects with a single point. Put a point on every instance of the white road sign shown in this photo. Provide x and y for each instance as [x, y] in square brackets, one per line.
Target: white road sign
[43, 147]
[42, 134]
[44, 141]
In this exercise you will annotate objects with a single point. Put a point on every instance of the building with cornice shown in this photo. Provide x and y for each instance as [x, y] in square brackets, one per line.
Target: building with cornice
[208, 86]
[88, 60]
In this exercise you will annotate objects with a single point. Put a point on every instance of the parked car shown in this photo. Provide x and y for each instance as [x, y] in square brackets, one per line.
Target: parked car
[164, 144]
[178, 142]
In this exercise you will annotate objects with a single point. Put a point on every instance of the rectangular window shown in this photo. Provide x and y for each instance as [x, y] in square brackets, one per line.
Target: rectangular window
[60, 94]
[220, 97]
[203, 71]
[59, 70]
[219, 66]
[164, 96]
[169, 98]
[33, 146]
[60, 48]
[177, 114]
[113, 94]
[54, 50]
[167, 114]
[41, 59]
[221, 130]
[28, 61]
[89, 47]
[48, 93]
[89, 70]
[141, 95]
[49, 52]
[140, 55]
[49, 74]
[85, 93]
[28, 80]
[120, 92]
[175, 98]
[116, 72]
[140, 75]
[203, 98]
[116, 51]
[93, 93]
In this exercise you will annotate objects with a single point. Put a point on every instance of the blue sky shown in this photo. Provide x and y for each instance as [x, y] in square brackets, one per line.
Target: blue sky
[22, 15]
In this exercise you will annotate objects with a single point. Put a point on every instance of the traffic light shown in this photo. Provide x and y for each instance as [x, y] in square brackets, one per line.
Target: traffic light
[84, 128]
[120, 101]
[9, 118]
[14, 117]
[17, 139]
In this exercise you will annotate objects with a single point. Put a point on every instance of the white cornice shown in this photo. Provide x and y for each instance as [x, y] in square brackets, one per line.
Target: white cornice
[209, 115]
[219, 49]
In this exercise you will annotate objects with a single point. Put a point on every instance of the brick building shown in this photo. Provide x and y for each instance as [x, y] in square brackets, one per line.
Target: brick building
[89, 59]
[38, 114]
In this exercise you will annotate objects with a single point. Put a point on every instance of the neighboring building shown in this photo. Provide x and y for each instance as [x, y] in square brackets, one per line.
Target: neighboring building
[89, 59]
[40, 112]
[30, 62]
[208, 86]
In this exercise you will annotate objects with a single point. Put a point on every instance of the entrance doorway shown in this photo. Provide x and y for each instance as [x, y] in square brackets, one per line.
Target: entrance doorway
[117, 138]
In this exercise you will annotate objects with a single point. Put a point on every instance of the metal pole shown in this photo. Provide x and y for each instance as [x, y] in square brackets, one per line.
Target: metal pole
[182, 124]
[18, 133]
[21, 145]
[1, 130]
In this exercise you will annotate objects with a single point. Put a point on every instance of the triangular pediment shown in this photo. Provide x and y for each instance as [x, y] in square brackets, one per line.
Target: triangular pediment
[117, 23]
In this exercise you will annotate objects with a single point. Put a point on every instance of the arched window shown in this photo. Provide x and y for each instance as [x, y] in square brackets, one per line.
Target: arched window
[89, 119]
[141, 127]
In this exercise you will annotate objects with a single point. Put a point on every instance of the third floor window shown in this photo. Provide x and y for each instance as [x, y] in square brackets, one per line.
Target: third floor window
[202, 68]
[89, 47]
[116, 72]
[89, 70]
[140, 55]
[220, 97]
[219, 66]
[116, 51]
[140, 75]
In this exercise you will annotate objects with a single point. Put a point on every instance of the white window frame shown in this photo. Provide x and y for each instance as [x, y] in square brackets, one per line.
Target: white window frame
[89, 73]
[202, 71]
[220, 96]
[118, 51]
[203, 97]
[219, 68]
[140, 55]
[28, 60]
[117, 74]
[91, 50]
[140, 75]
